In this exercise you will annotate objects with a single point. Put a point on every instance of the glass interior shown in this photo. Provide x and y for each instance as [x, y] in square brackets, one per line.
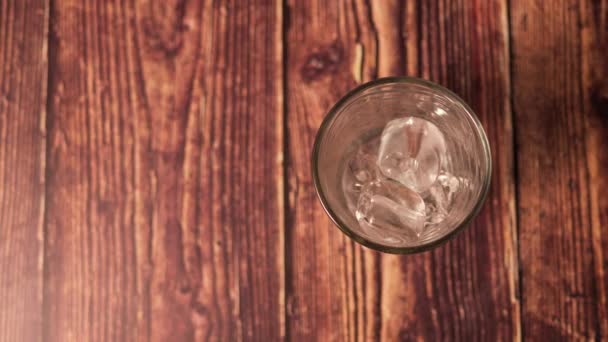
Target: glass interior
[364, 112]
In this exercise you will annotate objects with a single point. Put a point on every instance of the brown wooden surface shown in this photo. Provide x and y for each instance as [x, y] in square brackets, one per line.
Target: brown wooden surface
[23, 91]
[164, 189]
[467, 288]
[560, 96]
[155, 180]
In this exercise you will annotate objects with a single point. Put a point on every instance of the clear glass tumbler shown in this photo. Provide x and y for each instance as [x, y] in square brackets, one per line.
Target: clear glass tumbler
[361, 116]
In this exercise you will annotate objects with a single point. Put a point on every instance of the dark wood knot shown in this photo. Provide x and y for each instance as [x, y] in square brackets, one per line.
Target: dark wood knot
[599, 99]
[322, 62]
[163, 27]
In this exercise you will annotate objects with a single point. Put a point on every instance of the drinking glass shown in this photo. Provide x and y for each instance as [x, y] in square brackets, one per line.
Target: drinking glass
[362, 114]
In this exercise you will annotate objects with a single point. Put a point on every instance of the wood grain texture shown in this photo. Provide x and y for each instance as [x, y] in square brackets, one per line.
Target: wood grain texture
[465, 290]
[242, 169]
[332, 287]
[559, 89]
[165, 172]
[594, 85]
[23, 82]
[159, 188]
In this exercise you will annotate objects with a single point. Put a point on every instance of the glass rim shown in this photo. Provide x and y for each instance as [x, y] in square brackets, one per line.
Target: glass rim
[353, 234]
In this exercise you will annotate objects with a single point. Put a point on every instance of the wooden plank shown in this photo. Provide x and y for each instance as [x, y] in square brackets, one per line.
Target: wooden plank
[466, 289]
[93, 261]
[23, 82]
[242, 169]
[165, 174]
[559, 88]
[332, 287]
[594, 87]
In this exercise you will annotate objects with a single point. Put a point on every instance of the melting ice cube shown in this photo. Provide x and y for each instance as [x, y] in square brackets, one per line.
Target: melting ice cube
[360, 169]
[411, 152]
[390, 211]
[440, 197]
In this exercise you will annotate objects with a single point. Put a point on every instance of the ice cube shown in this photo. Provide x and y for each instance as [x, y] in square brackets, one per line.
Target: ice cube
[449, 183]
[411, 152]
[440, 197]
[360, 170]
[390, 212]
[436, 204]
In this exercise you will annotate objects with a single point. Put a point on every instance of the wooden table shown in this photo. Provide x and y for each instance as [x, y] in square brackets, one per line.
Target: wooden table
[155, 180]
